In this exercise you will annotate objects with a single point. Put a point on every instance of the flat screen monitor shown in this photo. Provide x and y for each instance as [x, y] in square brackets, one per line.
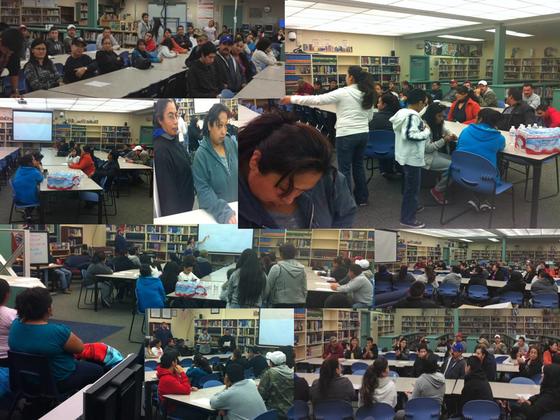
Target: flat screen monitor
[32, 126]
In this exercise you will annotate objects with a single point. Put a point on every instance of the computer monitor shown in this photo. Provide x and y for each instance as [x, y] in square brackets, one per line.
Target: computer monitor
[117, 395]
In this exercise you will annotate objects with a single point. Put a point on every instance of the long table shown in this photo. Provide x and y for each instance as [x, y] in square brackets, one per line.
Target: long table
[198, 216]
[125, 275]
[266, 84]
[8, 151]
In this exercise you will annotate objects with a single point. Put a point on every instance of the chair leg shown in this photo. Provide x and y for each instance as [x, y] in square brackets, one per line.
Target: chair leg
[513, 206]
[80, 295]
[131, 326]
[11, 212]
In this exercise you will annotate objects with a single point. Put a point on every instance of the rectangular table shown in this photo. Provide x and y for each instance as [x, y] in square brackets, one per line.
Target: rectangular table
[244, 116]
[193, 217]
[262, 89]
[125, 275]
[212, 282]
[7, 151]
[503, 390]
[70, 409]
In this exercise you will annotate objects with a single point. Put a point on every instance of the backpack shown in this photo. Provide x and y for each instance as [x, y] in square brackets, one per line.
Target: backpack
[141, 62]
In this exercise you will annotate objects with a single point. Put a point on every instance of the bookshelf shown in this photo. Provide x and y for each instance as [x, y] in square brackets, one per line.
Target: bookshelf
[99, 136]
[74, 238]
[314, 327]
[424, 322]
[14, 12]
[462, 68]
[6, 126]
[82, 12]
[382, 323]
[245, 331]
[383, 69]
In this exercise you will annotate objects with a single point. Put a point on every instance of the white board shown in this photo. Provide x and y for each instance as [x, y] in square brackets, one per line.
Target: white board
[385, 246]
[39, 247]
[225, 239]
[276, 327]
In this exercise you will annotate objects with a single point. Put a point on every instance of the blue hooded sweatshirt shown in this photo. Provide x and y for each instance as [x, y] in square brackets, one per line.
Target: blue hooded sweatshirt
[25, 183]
[482, 140]
[216, 183]
[149, 293]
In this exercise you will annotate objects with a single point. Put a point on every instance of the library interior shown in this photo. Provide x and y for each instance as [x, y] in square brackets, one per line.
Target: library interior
[467, 57]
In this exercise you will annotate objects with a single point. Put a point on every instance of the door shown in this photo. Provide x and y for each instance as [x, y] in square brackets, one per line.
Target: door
[446, 255]
[419, 68]
[227, 17]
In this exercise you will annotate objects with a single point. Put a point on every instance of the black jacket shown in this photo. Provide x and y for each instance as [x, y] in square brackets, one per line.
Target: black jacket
[380, 121]
[528, 370]
[169, 276]
[374, 350]
[202, 81]
[108, 61]
[228, 73]
[357, 353]
[122, 262]
[339, 273]
[183, 41]
[410, 302]
[54, 47]
[489, 367]
[173, 173]
[513, 286]
[74, 63]
[476, 387]
[453, 369]
[109, 168]
[548, 399]
[476, 280]
[258, 363]
[193, 56]
[520, 113]
[224, 339]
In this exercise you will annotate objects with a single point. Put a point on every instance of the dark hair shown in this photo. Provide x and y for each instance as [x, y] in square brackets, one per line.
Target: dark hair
[381, 268]
[339, 260]
[527, 84]
[202, 362]
[46, 61]
[516, 94]
[437, 83]
[489, 116]
[364, 82]
[543, 107]
[88, 149]
[98, 257]
[132, 250]
[391, 103]
[32, 304]
[213, 117]
[456, 269]
[252, 279]
[415, 96]
[430, 273]
[287, 251]
[154, 342]
[327, 373]
[417, 289]
[287, 147]
[106, 28]
[189, 261]
[370, 381]
[180, 26]
[167, 30]
[145, 14]
[26, 160]
[4, 290]
[356, 269]
[543, 273]
[159, 110]
[422, 346]
[429, 364]
[263, 44]
[551, 378]
[430, 117]
[207, 49]
[403, 273]
[140, 41]
[168, 357]
[235, 372]
[474, 363]
[463, 90]
[145, 270]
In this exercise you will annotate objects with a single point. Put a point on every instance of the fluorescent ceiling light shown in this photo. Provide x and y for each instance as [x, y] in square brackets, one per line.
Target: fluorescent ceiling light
[452, 233]
[465, 240]
[462, 38]
[512, 33]
[493, 240]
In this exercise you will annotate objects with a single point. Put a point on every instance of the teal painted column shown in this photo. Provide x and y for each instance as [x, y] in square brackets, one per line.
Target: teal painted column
[504, 244]
[93, 11]
[455, 321]
[499, 54]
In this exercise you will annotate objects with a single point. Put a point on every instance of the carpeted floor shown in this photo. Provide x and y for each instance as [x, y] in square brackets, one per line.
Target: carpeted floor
[89, 333]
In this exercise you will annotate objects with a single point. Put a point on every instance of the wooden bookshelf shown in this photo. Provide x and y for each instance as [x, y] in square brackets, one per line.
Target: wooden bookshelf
[459, 68]
[186, 105]
[245, 331]
[6, 126]
[74, 237]
[98, 136]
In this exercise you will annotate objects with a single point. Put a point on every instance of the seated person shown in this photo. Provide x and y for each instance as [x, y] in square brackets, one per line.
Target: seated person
[453, 366]
[551, 354]
[422, 352]
[202, 81]
[78, 66]
[359, 287]
[332, 385]
[138, 155]
[476, 386]
[543, 284]
[54, 46]
[436, 93]
[276, 384]
[353, 350]
[149, 290]
[7, 317]
[227, 71]
[333, 349]
[107, 59]
[550, 116]
[86, 163]
[108, 168]
[182, 39]
[477, 278]
[370, 350]
[531, 365]
[173, 380]
[514, 284]
[377, 386]
[133, 257]
[32, 333]
[464, 110]
[485, 96]
[263, 55]
[39, 71]
[187, 274]
[403, 277]
[142, 59]
[236, 358]
[518, 112]
[339, 270]
[155, 348]
[106, 34]
[25, 182]
[74, 154]
[240, 399]
[415, 298]
[454, 277]
[170, 274]
[195, 52]
[256, 361]
[383, 274]
[431, 383]
[96, 267]
[546, 401]
[227, 342]
[215, 167]
[170, 42]
[199, 369]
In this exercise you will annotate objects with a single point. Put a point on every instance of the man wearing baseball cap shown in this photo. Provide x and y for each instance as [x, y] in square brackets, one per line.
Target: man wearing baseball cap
[485, 95]
[138, 155]
[277, 384]
[78, 66]
[27, 40]
[71, 33]
[498, 346]
[450, 95]
[227, 69]
[454, 366]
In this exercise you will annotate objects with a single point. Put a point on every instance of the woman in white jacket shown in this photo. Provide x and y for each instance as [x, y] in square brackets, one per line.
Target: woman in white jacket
[263, 55]
[354, 110]
[377, 386]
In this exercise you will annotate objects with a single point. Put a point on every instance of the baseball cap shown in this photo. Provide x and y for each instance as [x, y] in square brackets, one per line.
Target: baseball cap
[363, 263]
[79, 41]
[459, 335]
[70, 27]
[276, 357]
[22, 26]
[483, 83]
[137, 148]
[497, 336]
[458, 347]
[226, 39]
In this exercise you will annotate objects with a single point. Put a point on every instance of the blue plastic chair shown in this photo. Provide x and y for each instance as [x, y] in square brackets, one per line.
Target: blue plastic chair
[298, 411]
[269, 415]
[417, 272]
[360, 372]
[249, 373]
[19, 206]
[478, 293]
[521, 380]
[553, 415]
[481, 410]
[478, 175]
[91, 47]
[545, 300]
[500, 359]
[59, 68]
[429, 290]
[448, 290]
[537, 379]
[393, 374]
[380, 145]
[383, 286]
[209, 377]
[148, 369]
[501, 104]
[516, 298]
[412, 356]
[125, 57]
[379, 411]
[422, 409]
[150, 364]
[214, 361]
[390, 355]
[186, 363]
[333, 410]
[358, 366]
[211, 383]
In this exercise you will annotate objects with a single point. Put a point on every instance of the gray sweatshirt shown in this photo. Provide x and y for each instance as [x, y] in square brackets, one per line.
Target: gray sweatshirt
[286, 283]
[242, 401]
[430, 385]
[453, 278]
[360, 289]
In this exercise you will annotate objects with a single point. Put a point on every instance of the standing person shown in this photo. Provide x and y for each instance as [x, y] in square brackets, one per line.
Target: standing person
[359, 288]
[54, 46]
[332, 385]
[11, 44]
[286, 284]
[204, 339]
[411, 135]
[145, 25]
[215, 167]
[464, 109]
[486, 96]
[530, 97]
[39, 71]
[121, 244]
[247, 284]
[354, 109]
[210, 30]
[487, 360]
[377, 386]
[27, 40]
[276, 384]
[163, 333]
[172, 167]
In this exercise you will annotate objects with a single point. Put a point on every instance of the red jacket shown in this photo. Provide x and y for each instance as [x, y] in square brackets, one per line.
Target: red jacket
[151, 45]
[552, 117]
[306, 89]
[171, 383]
[333, 351]
[85, 164]
[94, 352]
[471, 110]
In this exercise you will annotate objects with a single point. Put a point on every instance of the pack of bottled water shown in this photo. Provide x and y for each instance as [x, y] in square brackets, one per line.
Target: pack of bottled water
[537, 140]
[63, 180]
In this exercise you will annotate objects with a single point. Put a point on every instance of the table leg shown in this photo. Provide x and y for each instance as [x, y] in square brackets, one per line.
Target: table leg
[537, 172]
[148, 400]
[151, 193]
[95, 297]
[100, 209]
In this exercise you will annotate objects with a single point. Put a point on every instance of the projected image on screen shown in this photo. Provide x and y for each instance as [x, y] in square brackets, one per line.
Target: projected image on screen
[33, 126]
[276, 327]
[203, 105]
[225, 239]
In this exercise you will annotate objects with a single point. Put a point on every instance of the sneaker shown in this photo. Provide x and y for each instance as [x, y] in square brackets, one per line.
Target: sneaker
[415, 225]
[486, 207]
[473, 204]
[420, 209]
[364, 204]
[67, 292]
[438, 196]
[105, 303]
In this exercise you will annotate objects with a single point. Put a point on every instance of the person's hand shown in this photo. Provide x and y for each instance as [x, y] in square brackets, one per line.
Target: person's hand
[286, 100]
[194, 389]
[334, 286]
[129, 160]
[477, 91]
[80, 71]
[179, 369]
[232, 220]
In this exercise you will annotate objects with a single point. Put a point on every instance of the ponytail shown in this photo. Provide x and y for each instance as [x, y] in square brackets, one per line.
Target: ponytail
[370, 380]
[364, 82]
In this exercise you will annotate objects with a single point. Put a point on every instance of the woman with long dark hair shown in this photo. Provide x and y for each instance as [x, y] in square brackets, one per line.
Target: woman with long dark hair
[247, 284]
[39, 71]
[199, 369]
[354, 109]
[377, 386]
[331, 385]
[286, 178]
[547, 400]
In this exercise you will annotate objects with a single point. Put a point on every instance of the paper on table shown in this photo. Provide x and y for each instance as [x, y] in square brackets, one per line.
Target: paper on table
[324, 289]
[524, 396]
[95, 83]
[201, 401]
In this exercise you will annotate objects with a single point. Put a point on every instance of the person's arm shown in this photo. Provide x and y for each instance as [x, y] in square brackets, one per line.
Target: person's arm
[434, 146]
[220, 400]
[32, 77]
[264, 387]
[450, 116]
[116, 45]
[271, 280]
[178, 385]
[349, 287]
[73, 345]
[165, 174]
[475, 109]
[416, 131]
[326, 98]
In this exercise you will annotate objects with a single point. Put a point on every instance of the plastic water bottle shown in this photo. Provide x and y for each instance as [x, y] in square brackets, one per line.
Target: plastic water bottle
[535, 125]
[27, 54]
[329, 273]
[512, 133]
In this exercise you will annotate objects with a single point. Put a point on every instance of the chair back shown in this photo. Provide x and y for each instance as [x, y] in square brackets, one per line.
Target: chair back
[359, 366]
[393, 374]
[448, 290]
[545, 300]
[473, 172]
[390, 355]
[214, 361]
[422, 409]
[186, 363]
[151, 363]
[209, 377]
[380, 145]
[333, 410]
[59, 68]
[516, 298]
[383, 286]
[268, 415]
[91, 47]
[478, 292]
[378, 411]
[537, 379]
[500, 358]
[481, 410]
[360, 372]
[249, 373]
[30, 376]
[429, 290]
[520, 380]
[211, 383]
[298, 411]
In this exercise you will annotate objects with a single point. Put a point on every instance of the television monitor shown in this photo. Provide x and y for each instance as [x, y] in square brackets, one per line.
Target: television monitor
[117, 395]
[32, 126]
